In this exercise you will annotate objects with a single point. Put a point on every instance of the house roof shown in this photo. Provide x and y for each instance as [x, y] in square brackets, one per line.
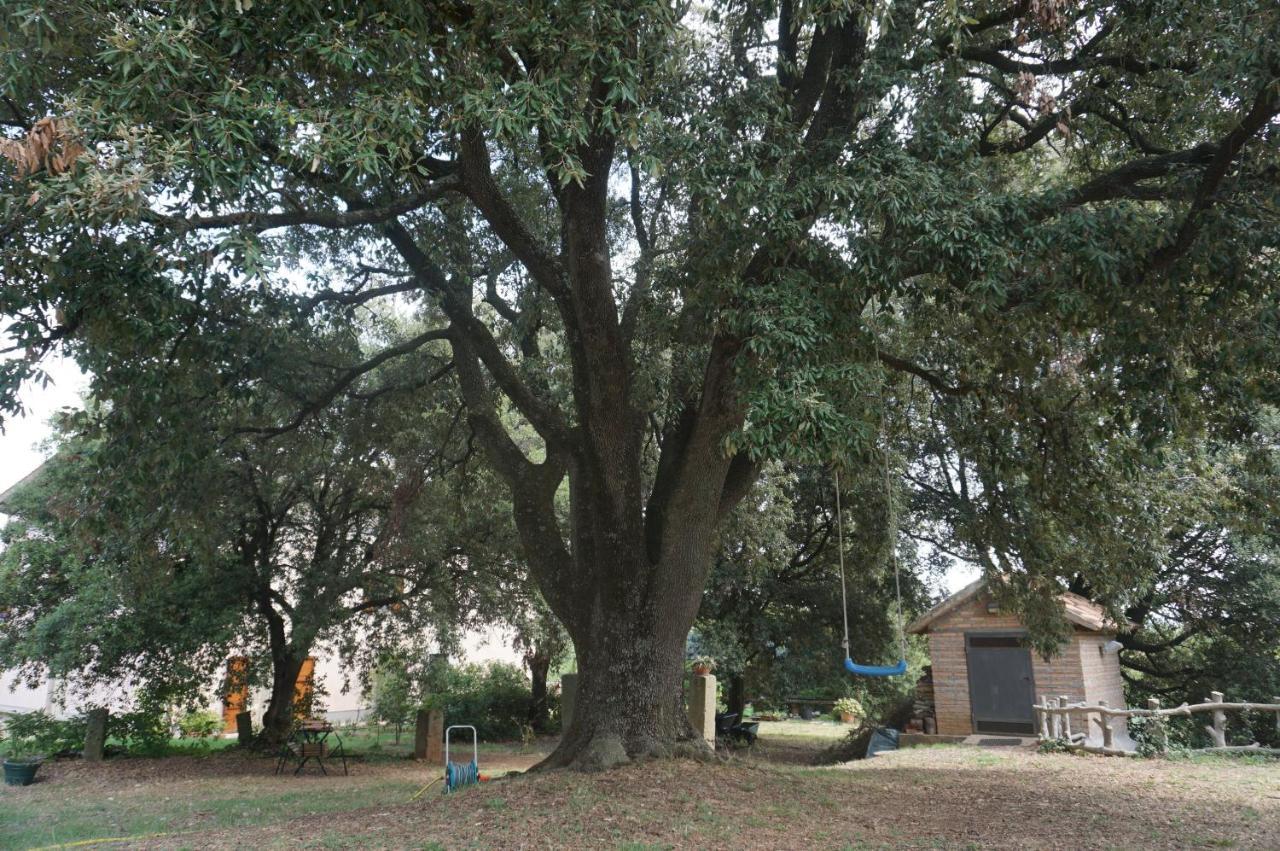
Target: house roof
[1080, 611]
[13, 489]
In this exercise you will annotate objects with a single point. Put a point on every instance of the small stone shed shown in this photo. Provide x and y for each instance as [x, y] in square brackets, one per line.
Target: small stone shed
[985, 679]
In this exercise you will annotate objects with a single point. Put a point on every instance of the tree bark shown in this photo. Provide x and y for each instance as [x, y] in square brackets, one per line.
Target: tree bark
[277, 721]
[737, 698]
[630, 643]
[539, 665]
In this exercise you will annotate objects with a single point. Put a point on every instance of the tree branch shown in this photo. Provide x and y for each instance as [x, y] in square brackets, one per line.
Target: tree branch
[480, 187]
[350, 218]
[932, 379]
[348, 376]
[549, 422]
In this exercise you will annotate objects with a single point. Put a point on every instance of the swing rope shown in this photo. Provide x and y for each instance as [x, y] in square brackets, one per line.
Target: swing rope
[850, 665]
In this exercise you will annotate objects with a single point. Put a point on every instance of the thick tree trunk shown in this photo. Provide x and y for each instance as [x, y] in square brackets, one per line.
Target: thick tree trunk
[277, 721]
[626, 575]
[630, 698]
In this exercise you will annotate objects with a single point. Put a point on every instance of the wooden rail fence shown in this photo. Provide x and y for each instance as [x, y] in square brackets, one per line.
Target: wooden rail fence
[1054, 722]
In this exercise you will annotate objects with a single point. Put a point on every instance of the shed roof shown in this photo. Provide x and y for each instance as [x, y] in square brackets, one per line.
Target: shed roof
[1080, 611]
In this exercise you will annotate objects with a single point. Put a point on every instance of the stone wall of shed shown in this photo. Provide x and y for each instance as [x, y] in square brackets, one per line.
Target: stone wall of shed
[1062, 675]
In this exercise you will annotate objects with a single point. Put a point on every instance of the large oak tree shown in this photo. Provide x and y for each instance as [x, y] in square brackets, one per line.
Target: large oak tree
[675, 239]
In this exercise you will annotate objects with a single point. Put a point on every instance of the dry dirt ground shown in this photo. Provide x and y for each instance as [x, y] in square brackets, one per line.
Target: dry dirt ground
[940, 797]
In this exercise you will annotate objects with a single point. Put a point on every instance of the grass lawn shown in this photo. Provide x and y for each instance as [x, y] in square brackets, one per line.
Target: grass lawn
[817, 730]
[938, 797]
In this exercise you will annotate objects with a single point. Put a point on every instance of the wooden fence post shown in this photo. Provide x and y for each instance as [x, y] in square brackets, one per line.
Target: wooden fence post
[428, 736]
[1107, 736]
[1219, 729]
[1063, 702]
[1158, 733]
[1044, 717]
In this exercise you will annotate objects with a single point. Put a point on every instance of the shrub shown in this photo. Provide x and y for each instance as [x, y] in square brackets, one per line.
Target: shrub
[848, 706]
[494, 698]
[42, 733]
[144, 731]
[199, 725]
[1053, 746]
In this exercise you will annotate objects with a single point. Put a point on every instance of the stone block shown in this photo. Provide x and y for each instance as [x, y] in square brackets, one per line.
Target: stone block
[428, 737]
[702, 706]
[95, 737]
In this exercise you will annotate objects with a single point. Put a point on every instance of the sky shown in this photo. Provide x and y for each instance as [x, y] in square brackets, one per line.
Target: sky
[19, 443]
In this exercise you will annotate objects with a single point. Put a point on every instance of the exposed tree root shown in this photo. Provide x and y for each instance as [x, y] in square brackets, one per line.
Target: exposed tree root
[606, 749]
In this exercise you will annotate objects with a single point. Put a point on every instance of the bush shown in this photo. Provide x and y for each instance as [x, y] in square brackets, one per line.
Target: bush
[144, 731]
[44, 734]
[199, 725]
[1053, 746]
[494, 698]
[848, 706]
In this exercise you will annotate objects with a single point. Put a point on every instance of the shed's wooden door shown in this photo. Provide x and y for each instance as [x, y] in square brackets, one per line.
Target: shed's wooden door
[1001, 689]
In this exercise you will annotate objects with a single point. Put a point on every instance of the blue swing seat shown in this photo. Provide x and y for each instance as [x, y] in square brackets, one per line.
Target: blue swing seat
[875, 670]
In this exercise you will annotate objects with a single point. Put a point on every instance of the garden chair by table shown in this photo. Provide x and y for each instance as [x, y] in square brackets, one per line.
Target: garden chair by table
[310, 740]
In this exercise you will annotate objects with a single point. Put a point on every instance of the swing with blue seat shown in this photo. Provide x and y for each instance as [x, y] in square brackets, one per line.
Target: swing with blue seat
[850, 665]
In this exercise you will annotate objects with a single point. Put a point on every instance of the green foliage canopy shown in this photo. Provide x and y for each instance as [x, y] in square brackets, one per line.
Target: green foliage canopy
[676, 240]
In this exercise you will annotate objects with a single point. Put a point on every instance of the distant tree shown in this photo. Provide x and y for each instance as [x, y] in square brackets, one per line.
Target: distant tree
[1181, 542]
[85, 606]
[543, 644]
[772, 612]
[393, 694]
[359, 527]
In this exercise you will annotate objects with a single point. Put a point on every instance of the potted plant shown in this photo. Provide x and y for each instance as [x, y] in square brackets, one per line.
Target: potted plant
[20, 763]
[702, 665]
[848, 709]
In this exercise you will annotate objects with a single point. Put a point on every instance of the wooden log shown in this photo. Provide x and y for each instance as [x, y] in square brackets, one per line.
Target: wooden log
[1218, 732]
[1043, 713]
[1066, 718]
[1253, 748]
[1107, 739]
[1184, 709]
[1104, 751]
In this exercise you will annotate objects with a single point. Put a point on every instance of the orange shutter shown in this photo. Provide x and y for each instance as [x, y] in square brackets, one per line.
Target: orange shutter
[235, 693]
[304, 688]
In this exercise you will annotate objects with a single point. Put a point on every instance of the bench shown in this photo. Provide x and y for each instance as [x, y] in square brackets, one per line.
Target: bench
[805, 706]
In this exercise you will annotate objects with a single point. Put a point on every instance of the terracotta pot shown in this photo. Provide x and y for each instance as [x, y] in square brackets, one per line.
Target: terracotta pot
[701, 670]
[846, 717]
